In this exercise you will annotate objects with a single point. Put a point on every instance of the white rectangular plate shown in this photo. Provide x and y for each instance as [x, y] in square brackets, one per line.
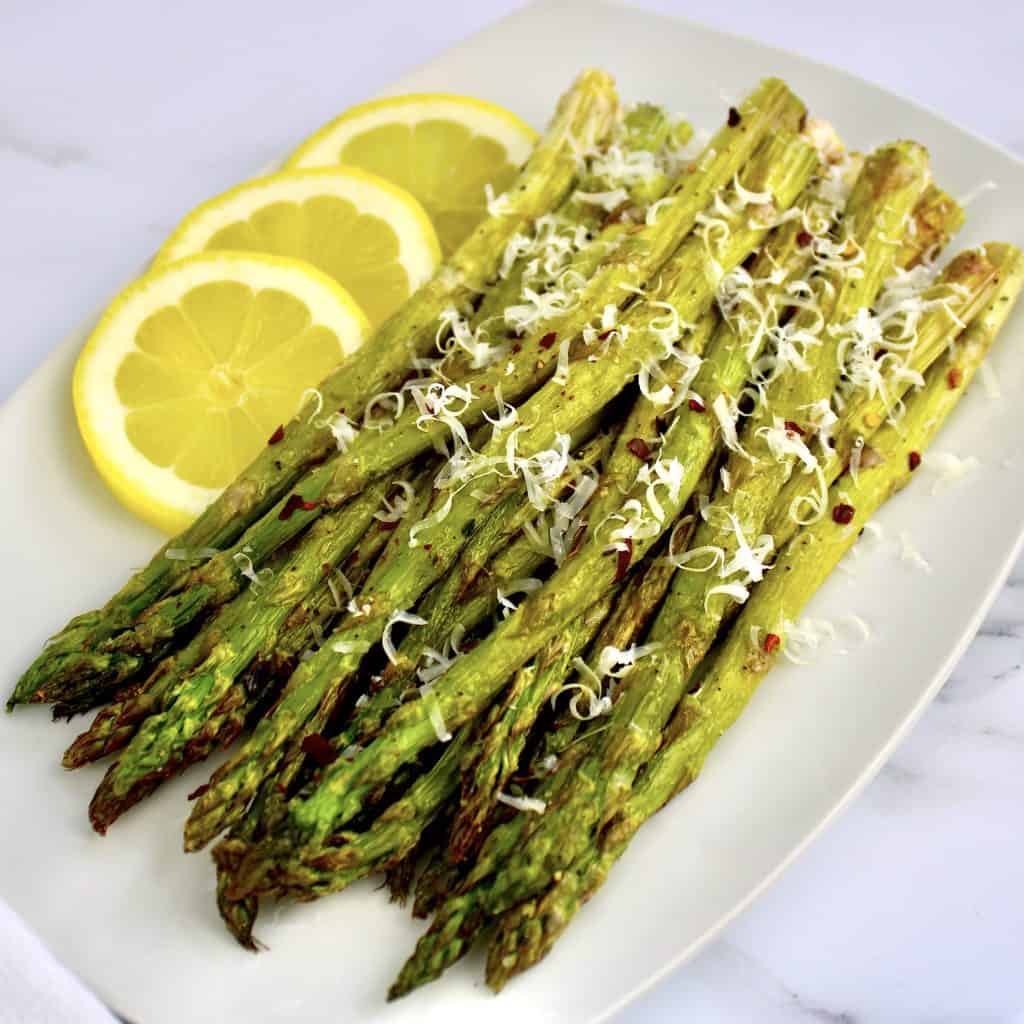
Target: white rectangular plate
[135, 917]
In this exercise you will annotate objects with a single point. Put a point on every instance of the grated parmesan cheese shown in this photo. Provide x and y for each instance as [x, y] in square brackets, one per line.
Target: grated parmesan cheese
[396, 618]
[523, 803]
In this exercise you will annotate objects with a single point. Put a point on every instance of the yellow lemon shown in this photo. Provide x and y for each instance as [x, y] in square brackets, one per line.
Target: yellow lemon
[372, 237]
[194, 366]
[443, 149]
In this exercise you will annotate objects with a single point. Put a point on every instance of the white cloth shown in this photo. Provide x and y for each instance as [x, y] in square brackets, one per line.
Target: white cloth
[34, 987]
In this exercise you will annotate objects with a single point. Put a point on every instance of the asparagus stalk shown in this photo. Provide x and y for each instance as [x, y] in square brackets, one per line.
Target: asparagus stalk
[528, 933]
[192, 706]
[372, 454]
[496, 756]
[401, 576]
[309, 621]
[446, 607]
[881, 199]
[584, 116]
[505, 729]
[936, 218]
[961, 291]
[643, 129]
[116, 724]
[784, 196]
[471, 682]
[459, 918]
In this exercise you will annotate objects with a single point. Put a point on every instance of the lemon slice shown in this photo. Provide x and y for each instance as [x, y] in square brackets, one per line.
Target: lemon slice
[370, 236]
[443, 149]
[194, 366]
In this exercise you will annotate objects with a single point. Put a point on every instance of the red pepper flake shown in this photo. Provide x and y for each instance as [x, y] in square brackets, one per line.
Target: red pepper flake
[548, 340]
[326, 569]
[277, 436]
[914, 460]
[771, 642]
[427, 547]
[293, 504]
[639, 447]
[388, 525]
[696, 405]
[577, 543]
[804, 239]
[794, 428]
[605, 334]
[734, 117]
[319, 749]
[622, 559]
[517, 348]
[955, 377]
[843, 514]
[198, 792]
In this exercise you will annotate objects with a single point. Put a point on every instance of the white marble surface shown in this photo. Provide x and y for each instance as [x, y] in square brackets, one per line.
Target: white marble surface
[117, 117]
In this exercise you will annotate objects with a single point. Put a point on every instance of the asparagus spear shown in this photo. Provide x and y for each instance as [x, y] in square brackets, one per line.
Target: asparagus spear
[545, 417]
[880, 199]
[116, 724]
[936, 218]
[446, 607]
[638, 601]
[191, 706]
[401, 576]
[471, 682]
[528, 933]
[507, 726]
[963, 288]
[643, 130]
[584, 116]
[495, 757]
[784, 197]
[632, 262]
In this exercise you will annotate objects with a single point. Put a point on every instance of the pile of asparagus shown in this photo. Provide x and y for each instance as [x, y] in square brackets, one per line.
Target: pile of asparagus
[488, 602]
